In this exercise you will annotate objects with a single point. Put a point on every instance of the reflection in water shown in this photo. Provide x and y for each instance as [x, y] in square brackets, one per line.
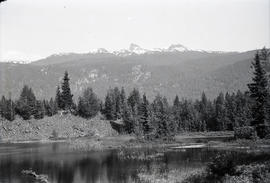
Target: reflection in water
[65, 166]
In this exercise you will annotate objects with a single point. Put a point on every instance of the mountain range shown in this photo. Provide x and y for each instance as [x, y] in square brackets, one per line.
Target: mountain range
[175, 70]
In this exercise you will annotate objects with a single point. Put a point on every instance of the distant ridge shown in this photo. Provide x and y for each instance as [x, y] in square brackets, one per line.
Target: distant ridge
[134, 49]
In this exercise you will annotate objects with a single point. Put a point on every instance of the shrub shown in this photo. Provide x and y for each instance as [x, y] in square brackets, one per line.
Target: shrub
[235, 168]
[221, 165]
[55, 134]
[196, 178]
[257, 173]
[263, 131]
[246, 132]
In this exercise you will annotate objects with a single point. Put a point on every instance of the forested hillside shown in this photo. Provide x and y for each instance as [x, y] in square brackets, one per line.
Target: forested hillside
[187, 73]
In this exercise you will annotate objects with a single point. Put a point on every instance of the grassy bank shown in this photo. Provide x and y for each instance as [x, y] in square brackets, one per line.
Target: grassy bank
[250, 145]
[130, 141]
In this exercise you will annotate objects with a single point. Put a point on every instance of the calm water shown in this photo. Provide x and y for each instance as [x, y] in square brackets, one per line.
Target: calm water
[62, 165]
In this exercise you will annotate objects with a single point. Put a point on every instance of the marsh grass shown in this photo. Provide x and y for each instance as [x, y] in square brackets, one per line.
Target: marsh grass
[141, 154]
[169, 176]
[86, 145]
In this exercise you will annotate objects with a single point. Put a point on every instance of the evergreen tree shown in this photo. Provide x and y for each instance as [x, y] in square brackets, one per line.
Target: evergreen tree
[10, 110]
[134, 99]
[58, 98]
[176, 102]
[243, 114]
[28, 96]
[89, 104]
[66, 96]
[39, 110]
[50, 107]
[127, 118]
[54, 106]
[190, 118]
[205, 110]
[264, 56]
[176, 114]
[220, 112]
[117, 99]
[133, 103]
[7, 109]
[109, 107]
[123, 100]
[135, 120]
[230, 111]
[46, 108]
[144, 115]
[258, 92]
[161, 113]
[3, 106]
[25, 106]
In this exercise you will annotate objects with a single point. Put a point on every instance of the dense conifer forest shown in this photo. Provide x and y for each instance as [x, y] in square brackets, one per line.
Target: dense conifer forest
[157, 118]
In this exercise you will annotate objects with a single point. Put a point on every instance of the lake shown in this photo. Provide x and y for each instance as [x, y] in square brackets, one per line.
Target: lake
[63, 165]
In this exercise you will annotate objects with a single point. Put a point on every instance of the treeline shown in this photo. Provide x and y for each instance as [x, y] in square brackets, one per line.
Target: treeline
[136, 112]
[157, 118]
[27, 106]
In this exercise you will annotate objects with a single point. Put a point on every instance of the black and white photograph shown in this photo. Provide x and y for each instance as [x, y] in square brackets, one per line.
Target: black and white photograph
[134, 91]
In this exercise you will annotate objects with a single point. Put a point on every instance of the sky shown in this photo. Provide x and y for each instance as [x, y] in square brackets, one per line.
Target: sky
[34, 29]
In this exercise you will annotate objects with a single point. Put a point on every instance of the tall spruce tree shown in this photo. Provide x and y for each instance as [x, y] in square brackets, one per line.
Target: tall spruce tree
[134, 99]
[58, 98]
[265, 55]
[205, 111]
[123, 100]
[144, 115]
[66, 95]
[109, 107]
[258, 92]
[160, 110]
[176, 114]
[117, 99]
[220, 113]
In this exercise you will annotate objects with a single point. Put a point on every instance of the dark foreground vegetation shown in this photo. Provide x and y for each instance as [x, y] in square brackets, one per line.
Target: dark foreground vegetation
[157, 119]
[229, 168]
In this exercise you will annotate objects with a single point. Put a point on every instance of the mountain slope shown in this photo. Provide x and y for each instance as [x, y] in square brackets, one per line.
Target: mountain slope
[186, 73]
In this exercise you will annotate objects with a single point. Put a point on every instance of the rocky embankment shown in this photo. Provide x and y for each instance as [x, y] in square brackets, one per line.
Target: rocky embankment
[55, 127]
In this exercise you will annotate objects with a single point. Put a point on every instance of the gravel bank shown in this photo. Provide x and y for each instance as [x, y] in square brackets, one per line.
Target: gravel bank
[55, 127]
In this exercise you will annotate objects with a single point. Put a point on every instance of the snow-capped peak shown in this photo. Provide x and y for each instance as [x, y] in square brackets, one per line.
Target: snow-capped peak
[122, 52]
[177, 47]
[99, 50]
[134, 48]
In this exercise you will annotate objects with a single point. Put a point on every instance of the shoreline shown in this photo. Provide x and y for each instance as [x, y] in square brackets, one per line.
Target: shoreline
[223, 141]
[181, 138]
